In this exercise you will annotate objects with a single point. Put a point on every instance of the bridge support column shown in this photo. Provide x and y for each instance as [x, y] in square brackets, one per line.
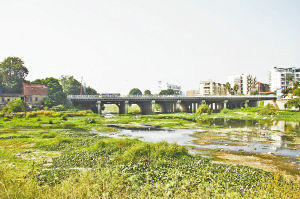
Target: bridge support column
[246, 103]
[146, 108]
[99, 107]
[225, 103]
[123, 108]
[177, 106]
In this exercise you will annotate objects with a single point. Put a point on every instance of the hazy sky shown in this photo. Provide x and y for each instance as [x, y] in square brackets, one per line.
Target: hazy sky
[116, 45]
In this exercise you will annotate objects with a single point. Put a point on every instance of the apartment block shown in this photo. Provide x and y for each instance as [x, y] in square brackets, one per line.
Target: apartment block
[278, 77]
[246, 83]
[212, 88]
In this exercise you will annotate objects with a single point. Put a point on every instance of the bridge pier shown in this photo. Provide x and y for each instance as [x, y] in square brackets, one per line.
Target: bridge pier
[123, 107]
[146, 107]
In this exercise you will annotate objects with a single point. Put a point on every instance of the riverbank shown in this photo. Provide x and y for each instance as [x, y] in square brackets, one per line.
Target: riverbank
[62, 155]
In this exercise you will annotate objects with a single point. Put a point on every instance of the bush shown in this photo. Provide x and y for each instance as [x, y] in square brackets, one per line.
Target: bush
[204, 108]
[224, 111]
[58, 108]
[267, 110]
[14, 106]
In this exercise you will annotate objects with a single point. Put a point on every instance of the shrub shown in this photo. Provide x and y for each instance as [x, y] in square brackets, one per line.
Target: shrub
[203, 108]
[224, 111]
[14, 106]
[58, 108]
[267, 110]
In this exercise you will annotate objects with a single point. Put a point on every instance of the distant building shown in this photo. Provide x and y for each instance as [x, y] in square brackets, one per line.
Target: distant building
[166, 86]
[192, 93]
[212, 88]
[6, 97]
[262, 87]
[34, 93]
[246, 83]
[278, 77]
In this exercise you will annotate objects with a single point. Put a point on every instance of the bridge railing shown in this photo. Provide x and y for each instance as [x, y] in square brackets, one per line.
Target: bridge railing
[171, 96]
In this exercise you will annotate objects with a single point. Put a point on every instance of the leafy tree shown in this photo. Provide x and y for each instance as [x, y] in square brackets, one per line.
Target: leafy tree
[14, 106]
[290, 79]
[147, 92]
[135, 91]
[293, 103]
[70, 85]
[12, 74]
[167, 92]
[235, 88]
[296, 92]
[90, 91]
[56, 95]
[286, 91]
[228, 87]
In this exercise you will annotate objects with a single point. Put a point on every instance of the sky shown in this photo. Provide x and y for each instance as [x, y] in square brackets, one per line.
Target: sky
[116, 45]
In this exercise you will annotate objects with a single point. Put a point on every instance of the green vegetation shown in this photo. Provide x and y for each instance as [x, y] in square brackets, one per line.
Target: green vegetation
[68, 159]
[12, 75]
[203, 108]
[14, 106]
[147, 92]
[135, 91]
[168, 92]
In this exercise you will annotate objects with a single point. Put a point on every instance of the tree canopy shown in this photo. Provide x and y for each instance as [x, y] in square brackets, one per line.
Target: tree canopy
[56, 95]
[12, 74]
[135, 91]
[70, 85]
[167, 92]
[147, 92]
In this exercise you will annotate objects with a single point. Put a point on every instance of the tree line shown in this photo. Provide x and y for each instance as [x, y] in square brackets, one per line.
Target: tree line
[13, 74]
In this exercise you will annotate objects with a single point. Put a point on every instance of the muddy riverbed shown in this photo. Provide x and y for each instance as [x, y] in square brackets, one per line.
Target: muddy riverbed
[269, 145]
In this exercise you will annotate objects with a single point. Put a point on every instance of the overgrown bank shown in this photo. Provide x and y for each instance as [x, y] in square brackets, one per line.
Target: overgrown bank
[49, 154]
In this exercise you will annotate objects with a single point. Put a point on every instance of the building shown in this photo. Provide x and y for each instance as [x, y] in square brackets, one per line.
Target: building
[212, 88]
[192, 93]
[6, 97]
[262, 87]
[166, 86]
[34, 93]
[278, 77]
[246, 83]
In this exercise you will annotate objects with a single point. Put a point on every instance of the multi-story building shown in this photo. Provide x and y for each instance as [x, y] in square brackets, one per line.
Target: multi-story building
[262, 87]
[279, 77]
[166, 86]
[246, 83]
[192, 93]
[212, 88]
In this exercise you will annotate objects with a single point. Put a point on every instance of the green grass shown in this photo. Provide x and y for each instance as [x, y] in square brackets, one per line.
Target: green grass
[67, 158]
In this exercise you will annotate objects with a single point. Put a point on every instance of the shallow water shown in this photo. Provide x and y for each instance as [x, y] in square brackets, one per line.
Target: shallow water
[236, 136]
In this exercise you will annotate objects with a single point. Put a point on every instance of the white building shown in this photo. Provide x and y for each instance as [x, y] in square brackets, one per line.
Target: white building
[165, 86]
[246, 83]
[278, 77]
[212, 88]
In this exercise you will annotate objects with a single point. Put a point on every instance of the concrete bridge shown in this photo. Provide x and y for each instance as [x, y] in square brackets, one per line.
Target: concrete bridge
[168, 104]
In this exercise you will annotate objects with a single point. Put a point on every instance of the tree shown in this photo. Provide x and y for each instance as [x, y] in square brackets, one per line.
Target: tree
[290, 79]
[296, 92]
[228, 87]
[167, 92]
[147, 92]
[293, 103]
[235, 88]
[12, 74]
[286, 91]
[135, 91]
[90, 91]
[14, 106]
[56, 95]
[70, 85]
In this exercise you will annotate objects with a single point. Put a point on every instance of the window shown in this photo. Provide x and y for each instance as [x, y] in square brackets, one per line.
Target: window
[36, 99]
